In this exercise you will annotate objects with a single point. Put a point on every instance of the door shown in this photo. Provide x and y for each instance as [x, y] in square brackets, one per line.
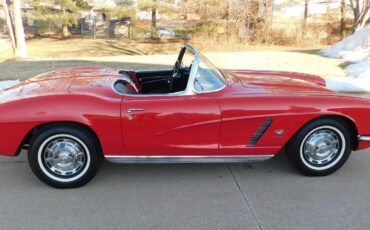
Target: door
[186, 125]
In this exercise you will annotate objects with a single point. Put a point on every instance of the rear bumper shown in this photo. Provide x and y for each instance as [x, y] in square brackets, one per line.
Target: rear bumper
[363, 142]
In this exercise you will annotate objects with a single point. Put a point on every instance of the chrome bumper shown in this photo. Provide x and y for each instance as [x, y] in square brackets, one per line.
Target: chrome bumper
[364, 138]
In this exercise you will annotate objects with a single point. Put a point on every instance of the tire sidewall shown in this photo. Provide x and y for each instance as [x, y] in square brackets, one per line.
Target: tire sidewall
[88, 142]
[295, 147]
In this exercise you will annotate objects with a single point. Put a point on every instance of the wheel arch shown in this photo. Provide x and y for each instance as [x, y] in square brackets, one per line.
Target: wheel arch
[352, 128]
[31, 133]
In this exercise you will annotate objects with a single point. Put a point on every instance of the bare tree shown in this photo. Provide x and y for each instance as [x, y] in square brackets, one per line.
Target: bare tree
[258, 17]
[15, 26]
[305, 17]
[361, 12]
[205, 9]
[9, 23]
[21, 50]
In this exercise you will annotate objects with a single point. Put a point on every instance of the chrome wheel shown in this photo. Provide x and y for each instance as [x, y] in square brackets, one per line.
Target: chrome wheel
[322, 148]
[63, 157]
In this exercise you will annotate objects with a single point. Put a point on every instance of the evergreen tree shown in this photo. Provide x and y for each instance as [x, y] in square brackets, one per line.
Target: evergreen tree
[155, 6]
[57, 13]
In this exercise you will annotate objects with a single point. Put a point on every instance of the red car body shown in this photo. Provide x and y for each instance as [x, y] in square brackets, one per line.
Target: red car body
[218, 123]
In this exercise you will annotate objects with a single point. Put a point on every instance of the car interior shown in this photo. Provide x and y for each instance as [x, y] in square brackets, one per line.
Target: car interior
[157, 81]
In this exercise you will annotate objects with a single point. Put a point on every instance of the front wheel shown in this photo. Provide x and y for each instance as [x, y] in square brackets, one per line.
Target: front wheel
[320, 148]
[64, 157]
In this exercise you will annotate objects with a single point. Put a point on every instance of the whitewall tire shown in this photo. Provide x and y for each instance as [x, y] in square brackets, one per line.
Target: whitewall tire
[321, 147]
[64, 156]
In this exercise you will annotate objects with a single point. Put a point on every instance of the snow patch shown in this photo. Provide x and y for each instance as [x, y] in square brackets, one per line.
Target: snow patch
[353, 48]
[360, 69]
[8, 84]
[358, 80]
[349, 85]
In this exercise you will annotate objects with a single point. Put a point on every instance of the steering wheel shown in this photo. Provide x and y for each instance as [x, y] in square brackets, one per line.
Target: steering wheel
[177, 69]
[176, 73]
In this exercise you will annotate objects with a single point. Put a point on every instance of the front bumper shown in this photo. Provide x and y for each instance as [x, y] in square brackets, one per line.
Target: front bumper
[363, 142]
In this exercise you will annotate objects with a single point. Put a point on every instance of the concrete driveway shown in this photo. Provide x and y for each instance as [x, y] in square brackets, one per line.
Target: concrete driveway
[269, 195]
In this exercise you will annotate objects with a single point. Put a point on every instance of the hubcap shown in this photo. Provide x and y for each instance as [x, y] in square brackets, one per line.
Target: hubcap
[64, 156]
[321, 147]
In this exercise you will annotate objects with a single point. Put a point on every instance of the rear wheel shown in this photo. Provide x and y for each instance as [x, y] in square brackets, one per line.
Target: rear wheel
[64, 157]
[320, 148]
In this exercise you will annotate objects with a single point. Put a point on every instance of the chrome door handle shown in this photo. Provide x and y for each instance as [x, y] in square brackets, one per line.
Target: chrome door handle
[134, 110]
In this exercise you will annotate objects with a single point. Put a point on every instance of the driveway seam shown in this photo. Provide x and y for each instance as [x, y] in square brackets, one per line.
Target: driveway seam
[246, 200]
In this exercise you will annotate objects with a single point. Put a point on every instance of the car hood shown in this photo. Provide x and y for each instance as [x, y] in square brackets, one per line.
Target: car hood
[60, 82]
[280, 82]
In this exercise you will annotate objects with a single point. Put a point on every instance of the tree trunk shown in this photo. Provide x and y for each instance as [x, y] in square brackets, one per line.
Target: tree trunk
[154, 20]
[65, 31]
[304, 22]
[356, 17]
[227, 21]
[342, 19]
[9, 23]
[21, 50]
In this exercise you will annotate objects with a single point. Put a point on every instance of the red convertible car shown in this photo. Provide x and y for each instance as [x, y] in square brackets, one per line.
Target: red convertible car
[71, 119]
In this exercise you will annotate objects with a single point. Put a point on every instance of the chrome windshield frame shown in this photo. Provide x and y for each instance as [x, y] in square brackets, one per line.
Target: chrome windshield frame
[190, 89]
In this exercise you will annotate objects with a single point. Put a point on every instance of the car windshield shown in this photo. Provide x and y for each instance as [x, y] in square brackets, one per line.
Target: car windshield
[208, 78]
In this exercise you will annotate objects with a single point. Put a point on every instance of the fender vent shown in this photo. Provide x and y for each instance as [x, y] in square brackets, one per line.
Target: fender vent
[260, 132]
